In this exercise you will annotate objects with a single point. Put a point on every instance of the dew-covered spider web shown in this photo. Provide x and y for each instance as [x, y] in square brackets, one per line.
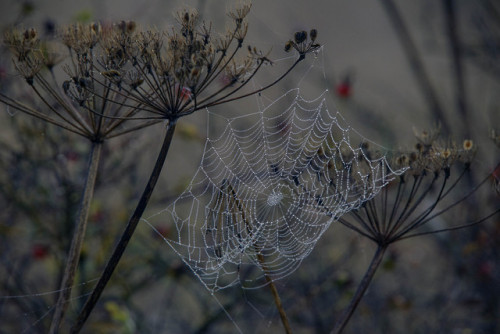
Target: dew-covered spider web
[268, 186]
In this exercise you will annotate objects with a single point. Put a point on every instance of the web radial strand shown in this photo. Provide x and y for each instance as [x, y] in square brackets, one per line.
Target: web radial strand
[266, 192]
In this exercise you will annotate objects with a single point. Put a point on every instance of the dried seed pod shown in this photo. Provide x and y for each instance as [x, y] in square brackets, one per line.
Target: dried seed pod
[313, 34]
[300, 36]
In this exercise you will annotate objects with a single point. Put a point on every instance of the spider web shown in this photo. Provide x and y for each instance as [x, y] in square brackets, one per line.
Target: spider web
[266, 190]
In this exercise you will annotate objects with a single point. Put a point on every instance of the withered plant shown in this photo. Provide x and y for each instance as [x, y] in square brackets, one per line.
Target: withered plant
[436, 171]
[69, 90]
[101, 81]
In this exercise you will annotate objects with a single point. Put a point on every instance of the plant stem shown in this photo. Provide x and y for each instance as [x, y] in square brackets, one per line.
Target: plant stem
[365, 282]
[78, 236]
[127, 233]
[276, 296]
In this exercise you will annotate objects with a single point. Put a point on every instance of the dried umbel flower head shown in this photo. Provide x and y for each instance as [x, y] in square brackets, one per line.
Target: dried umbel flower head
[240, 13]
[80, 37]
[430, 188]
[402, 161]
[426, 138]
[85, 100]
[163, 75]
[157, 69]
[421, 194]
[25, 45]
[468, 151]
[22, 43]
[302, 44]
[440, 157]
[126, 27]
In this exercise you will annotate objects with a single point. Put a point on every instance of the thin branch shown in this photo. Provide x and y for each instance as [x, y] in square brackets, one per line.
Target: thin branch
[365, 282]
[221, 101]
[276, 296]
[469, 194]
[356, 229]
[235, 202]
[421, 217]
[77, 242]
[35, 113]
[477, 222]
[127, 233]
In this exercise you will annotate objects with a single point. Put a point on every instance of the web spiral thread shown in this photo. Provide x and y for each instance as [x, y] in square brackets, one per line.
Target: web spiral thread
[267, 189]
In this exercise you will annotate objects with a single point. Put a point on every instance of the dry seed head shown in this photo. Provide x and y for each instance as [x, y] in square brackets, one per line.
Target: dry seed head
[238, 14]
[26, 35]
[195, 72]
[446, 153]
[129, 58]
[133, 78]
[111, 74]
[188, 19]
[235, 71]
[81, 37]
[131, 25]
[205, 32]
[241, 34]
[427, 138]
[22, 44]
[442, 157]
[30, 34]
[413, 157]
[468, 152]
[468, 144]
[402, 160]
[300, 36]
[301, 44]
[126, 27]
[313, 34]
[29, 70]
[96, 28]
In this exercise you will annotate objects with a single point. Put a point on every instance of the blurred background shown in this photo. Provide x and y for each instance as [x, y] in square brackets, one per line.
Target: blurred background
[389, 66]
